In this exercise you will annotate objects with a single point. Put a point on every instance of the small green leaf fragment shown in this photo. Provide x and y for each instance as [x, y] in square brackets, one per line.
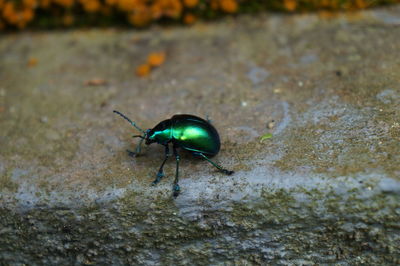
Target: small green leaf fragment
[265, 136]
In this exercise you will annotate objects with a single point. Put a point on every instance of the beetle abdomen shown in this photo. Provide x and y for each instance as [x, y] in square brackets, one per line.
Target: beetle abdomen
[195, 134]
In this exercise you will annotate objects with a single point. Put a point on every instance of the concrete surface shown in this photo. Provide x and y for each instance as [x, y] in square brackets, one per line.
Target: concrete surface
[324, 189]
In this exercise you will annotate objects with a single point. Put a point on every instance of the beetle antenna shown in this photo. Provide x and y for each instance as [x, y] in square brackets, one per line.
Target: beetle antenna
[130, 121]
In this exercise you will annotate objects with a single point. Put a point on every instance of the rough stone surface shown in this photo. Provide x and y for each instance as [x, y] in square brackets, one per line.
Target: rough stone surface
[324, 189]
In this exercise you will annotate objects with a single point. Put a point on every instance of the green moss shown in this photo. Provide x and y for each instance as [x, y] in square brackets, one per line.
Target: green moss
[6, 181]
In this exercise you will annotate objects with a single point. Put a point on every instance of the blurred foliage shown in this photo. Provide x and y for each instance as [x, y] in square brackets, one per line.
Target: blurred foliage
[18, 14]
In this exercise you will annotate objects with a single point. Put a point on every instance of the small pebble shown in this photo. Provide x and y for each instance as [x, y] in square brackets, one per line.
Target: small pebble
[271, 124]
[44, 119]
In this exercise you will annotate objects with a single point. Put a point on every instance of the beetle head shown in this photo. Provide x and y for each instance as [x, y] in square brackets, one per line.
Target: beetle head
[148, 137]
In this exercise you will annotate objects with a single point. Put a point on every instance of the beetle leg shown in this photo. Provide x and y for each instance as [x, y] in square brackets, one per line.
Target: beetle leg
[131, 153]
[225, 171]
[176, 189]
[137, 150]
[138, 147]
[160, 173]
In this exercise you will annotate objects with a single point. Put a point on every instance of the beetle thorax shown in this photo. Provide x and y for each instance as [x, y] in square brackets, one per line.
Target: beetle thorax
[162, 133]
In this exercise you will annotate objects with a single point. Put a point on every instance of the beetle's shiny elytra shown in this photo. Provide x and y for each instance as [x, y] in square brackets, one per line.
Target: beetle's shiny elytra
[187, 132]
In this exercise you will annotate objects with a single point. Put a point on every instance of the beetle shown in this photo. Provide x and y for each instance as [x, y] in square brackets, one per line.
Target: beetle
[188, 132]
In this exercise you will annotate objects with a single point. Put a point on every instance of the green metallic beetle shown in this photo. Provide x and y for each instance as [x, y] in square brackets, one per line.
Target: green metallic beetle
[188, 132]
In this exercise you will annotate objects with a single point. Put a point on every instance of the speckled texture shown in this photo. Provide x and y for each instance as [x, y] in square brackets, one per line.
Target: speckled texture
[324, 189]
